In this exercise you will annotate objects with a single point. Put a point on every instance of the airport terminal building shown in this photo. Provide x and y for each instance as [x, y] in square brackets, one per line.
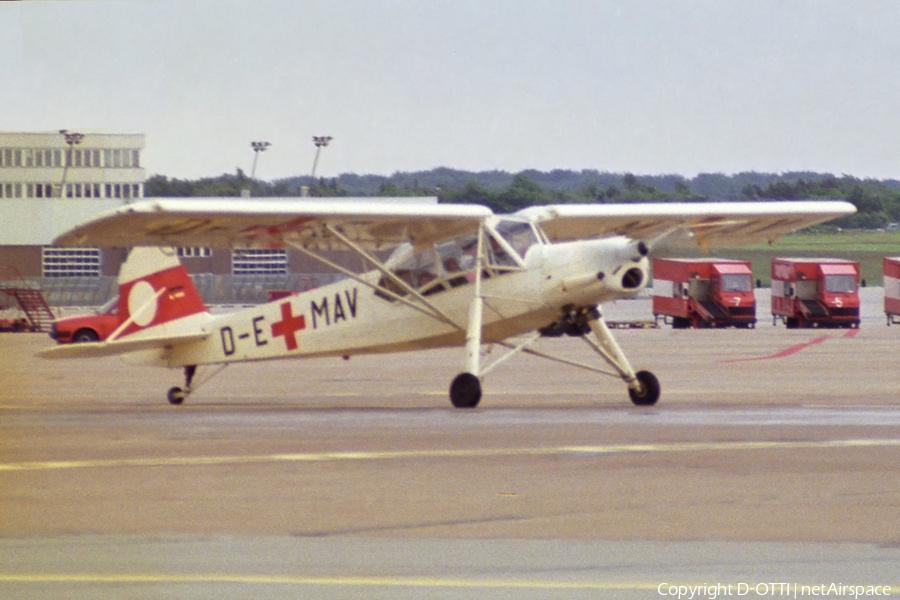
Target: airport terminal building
[52, 180]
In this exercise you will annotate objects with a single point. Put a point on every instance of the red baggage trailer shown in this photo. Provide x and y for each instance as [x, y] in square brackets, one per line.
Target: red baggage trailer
[812, 292]
[891, 267]
[703, 292]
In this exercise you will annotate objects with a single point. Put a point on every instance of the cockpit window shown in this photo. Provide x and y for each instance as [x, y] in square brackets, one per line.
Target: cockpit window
[518, 234]
[432, 269]
[437, 268]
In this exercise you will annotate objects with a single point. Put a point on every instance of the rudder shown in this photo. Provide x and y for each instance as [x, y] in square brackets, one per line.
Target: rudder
[154, 288]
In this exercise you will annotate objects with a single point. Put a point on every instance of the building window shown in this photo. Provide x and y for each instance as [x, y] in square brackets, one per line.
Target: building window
[70, 262]
[32, 190]
[259, 262]
[194, 252]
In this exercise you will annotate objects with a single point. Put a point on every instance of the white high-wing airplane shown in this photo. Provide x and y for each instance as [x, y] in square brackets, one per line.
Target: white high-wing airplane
[459, 276]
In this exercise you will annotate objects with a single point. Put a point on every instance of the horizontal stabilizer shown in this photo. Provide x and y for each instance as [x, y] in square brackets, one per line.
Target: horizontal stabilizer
[99, 349]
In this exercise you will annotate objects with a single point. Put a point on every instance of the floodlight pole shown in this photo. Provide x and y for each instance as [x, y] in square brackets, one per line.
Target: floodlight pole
[321, 141]
[72, 139]
[257, 148]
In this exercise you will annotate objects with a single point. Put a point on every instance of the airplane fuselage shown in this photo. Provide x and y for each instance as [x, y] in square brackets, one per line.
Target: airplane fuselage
[350, 317]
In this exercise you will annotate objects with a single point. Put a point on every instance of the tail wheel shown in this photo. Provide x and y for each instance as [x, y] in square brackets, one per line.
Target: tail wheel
[176, 395]
[649, 392]
[465, 391]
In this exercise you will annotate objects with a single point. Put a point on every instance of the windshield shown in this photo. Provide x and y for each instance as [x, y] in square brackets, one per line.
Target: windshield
[518, 234]
[737, 283]
[840, 284]
[110, 307]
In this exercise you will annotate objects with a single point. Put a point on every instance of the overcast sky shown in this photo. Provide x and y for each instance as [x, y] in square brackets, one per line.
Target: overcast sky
[649, 87]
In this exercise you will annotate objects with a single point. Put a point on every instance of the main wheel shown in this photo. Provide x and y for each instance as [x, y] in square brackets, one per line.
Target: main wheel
[465, 391]
[650, 389]
[175, 395]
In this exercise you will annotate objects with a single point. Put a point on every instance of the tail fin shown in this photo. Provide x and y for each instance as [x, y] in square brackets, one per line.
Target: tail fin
[154, 288]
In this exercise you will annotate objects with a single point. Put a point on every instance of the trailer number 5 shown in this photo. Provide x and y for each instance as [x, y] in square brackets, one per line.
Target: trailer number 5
[839, 302]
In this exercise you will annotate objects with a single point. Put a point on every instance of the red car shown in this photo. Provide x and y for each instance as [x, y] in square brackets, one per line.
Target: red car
[88, 328]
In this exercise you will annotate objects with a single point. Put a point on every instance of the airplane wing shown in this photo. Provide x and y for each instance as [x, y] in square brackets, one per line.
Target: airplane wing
[708, 223]
[270, 223]
[99, 349]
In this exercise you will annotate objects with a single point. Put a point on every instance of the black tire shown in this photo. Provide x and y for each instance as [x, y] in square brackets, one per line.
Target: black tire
[650, 389]
[85, 335]
[175, 395]
[465, 391]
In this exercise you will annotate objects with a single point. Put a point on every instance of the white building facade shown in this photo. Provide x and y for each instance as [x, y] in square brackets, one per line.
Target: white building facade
[64, 164]
[49, 182]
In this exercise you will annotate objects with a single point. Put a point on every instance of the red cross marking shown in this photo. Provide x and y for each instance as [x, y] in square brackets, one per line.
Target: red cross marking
[288, 326]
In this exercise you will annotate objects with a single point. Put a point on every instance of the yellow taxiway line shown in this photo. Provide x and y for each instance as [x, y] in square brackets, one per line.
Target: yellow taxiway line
[166, 461]
[348, 581]
[352, 581]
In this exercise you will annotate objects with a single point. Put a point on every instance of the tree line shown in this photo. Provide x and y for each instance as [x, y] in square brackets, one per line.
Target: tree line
[877, 201]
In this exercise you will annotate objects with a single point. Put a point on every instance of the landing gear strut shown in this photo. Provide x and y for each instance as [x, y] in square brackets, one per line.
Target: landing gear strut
[176, 395]
[643, 386]
[465, 389]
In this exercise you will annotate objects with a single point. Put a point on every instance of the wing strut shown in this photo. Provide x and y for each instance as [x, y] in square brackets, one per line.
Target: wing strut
[428, 309]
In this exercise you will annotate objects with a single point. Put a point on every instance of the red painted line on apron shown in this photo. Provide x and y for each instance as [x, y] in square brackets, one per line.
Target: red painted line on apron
[786, 352]
[851, 333]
